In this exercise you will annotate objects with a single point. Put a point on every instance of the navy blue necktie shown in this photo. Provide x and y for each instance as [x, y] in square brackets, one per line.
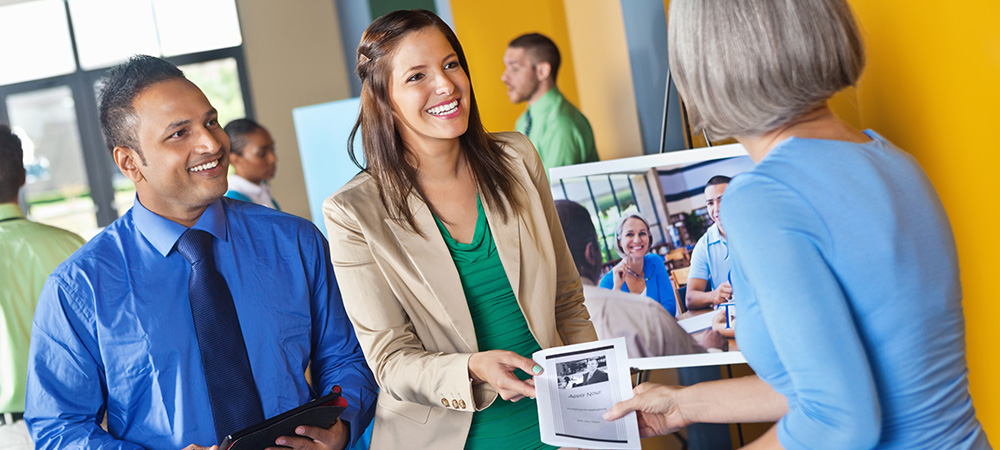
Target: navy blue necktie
[527, 126]
[231, 389]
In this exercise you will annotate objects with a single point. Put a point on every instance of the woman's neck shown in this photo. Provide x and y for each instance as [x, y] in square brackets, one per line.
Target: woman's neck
[443, 163]
[820, 123]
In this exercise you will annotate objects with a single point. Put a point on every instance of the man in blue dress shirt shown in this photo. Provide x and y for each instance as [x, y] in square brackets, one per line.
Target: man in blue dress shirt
[114, 331]
[708, 280]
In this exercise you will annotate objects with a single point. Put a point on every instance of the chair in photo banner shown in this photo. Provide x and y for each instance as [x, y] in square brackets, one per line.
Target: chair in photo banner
[679, 279]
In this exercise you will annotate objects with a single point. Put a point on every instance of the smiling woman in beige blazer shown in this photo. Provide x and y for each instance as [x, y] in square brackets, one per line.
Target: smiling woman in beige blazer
[435, 184]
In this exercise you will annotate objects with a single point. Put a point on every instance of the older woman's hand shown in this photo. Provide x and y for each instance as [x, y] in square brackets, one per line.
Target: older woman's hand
[657, 407]
[619, 272]
[496, 367]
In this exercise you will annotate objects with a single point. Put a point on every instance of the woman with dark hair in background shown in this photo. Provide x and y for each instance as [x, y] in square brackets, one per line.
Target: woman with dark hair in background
[448, 250]
[843, 260]
[254, 162]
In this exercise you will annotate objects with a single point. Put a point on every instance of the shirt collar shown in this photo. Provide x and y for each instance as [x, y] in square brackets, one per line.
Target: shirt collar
[586, 281]
[163, 233]
[548, 101]
[714, 235]
[8, 210]
[240, 184]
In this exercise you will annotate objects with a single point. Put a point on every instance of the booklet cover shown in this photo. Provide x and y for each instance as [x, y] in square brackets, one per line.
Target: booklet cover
[321, 412]
[579, 383]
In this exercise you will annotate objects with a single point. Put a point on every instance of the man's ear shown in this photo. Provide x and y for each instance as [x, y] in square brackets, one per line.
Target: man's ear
[593, 254]
[128, 162]
[543, 70]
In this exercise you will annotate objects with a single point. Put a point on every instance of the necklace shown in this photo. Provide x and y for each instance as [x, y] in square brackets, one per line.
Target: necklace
[629, 271]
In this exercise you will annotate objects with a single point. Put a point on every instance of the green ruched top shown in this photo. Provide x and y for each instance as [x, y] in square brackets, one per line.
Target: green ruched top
[500, 325]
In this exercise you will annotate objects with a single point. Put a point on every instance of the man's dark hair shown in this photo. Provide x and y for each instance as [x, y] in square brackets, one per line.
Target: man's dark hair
[237, 130]
[541, 48]
[718, 179]
[578, 228]
[12, 173]
[122, 85]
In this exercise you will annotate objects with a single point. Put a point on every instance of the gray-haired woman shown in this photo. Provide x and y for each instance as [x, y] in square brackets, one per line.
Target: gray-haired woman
[842, 256]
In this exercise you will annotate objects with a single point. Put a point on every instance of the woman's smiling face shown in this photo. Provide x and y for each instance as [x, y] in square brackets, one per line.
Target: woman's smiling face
[429, 91]
[634, 238]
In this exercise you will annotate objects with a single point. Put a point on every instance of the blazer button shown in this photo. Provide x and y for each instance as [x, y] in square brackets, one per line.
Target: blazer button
[454, 403]
[444, 402]
[461, 404]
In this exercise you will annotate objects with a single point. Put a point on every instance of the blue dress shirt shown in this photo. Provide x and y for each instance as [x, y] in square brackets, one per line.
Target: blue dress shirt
[849, 297]
[113, 331]
[710, 258]
[658, 286]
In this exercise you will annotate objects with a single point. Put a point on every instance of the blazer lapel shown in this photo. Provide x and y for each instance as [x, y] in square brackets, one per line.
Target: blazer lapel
[507, 237]
[427, 254]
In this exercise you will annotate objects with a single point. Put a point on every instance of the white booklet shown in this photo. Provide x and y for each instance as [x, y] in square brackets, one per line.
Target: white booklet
[579, 383]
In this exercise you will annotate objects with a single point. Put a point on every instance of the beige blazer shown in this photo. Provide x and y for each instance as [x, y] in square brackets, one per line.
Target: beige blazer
[405, 299]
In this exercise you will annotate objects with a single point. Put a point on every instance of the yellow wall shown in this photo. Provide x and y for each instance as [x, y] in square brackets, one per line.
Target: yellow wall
[932, 86]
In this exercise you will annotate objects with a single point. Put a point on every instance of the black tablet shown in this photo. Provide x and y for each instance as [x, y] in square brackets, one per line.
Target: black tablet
[321, 412]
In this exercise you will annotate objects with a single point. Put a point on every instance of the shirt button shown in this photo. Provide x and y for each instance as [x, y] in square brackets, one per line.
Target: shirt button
[444, 402]
[461, 404]
[454, 403]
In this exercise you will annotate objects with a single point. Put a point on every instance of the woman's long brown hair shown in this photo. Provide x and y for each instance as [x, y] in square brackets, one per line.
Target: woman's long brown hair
[385, 155]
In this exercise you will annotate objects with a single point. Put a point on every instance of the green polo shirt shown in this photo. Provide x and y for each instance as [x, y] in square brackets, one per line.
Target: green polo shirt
[29, 252]
[559, 131]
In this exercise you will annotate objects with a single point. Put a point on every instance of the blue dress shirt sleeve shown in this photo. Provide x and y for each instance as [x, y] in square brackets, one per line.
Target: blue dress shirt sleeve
[333, 337]
[65, 398]
[780, 243]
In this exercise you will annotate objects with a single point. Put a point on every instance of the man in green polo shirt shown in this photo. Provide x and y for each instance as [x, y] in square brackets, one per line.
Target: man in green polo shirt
[559, 131]
[29, 252]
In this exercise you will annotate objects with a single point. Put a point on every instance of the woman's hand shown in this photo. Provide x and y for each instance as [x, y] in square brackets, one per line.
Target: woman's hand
[657, 408]
[496, 367]
[619, 271]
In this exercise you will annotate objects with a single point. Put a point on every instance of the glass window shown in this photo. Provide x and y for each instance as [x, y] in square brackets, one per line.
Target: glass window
[100, 25]
[29, 30]
[57, 192]
[220, 81]
[190, 26]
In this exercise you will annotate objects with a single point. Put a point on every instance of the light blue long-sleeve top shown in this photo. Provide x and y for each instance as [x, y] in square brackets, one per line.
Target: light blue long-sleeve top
[658, 285]
[113, 331]
[845, 277]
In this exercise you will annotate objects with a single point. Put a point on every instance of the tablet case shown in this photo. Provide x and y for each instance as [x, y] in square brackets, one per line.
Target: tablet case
[321, 412]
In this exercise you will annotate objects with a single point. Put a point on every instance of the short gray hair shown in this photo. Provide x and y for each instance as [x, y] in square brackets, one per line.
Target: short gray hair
[621, 224]
[746, 67]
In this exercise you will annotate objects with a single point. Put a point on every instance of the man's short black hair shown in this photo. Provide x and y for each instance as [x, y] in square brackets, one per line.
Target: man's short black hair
[718, 179]
[122, 85]
[12, 173]
[236, 130]
[578, 228]
[541, 48]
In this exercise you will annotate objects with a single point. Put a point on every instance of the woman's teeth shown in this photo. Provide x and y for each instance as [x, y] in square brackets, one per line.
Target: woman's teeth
[445, 109]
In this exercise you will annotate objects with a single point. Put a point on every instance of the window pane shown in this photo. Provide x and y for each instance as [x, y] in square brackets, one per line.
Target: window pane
[100, 25]
[57, 192]
[189, 26]
[220, 82]
[29, 30]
